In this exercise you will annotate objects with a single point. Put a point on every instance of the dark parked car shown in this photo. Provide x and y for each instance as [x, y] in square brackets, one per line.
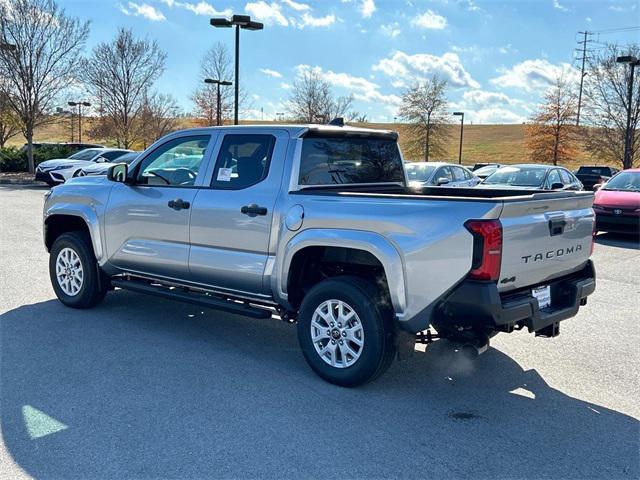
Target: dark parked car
[480, 165]
[594, 175]
[533, 177]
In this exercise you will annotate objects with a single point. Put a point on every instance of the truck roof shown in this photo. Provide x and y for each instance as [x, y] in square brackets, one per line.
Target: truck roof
[300, 130]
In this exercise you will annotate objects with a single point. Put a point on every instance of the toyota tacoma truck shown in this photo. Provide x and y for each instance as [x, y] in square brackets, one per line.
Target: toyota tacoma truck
[317, 225]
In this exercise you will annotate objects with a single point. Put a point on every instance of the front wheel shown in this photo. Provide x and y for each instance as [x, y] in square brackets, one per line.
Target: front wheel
[346, 331]
[73, 271]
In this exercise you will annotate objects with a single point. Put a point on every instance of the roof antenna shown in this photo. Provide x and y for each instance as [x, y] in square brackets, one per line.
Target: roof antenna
[337, 122]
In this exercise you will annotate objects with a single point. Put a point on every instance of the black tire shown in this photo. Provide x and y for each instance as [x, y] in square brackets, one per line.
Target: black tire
[93, 289]
[376, 317]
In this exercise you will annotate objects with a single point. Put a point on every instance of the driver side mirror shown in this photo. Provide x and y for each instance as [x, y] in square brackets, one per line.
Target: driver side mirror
[442, 181]
[118, 173]
[557, 186]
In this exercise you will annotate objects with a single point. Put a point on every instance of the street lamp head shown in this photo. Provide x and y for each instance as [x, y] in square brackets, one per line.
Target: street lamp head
[253, 26]
[241, 20]
[72, 104]
[225, 83]
[627, 59]
[210, 80]
[86, 104]
[458, 113]
[220, 23]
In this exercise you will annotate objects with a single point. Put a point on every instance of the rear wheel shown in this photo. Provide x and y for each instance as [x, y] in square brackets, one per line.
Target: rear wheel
[74, 272]
[346, 331]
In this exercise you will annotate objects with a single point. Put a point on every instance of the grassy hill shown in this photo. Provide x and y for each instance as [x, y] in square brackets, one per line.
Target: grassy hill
[482, 143]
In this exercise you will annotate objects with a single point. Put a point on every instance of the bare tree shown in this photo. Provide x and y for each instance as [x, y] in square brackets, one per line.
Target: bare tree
[216, 64]
[424, 108]
[159, 117]
[312, 101]
[9, 120]
[121, 74]
[552, 136]
[48, 45]
[606, 106]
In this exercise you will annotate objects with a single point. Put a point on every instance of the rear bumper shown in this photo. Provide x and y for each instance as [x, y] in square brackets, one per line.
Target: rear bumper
[479, 304]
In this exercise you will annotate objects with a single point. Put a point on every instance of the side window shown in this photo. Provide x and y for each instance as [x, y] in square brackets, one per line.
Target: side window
[554, 177]
[175, 163]
[243, 161]
[459, 174]
[444, 172]
[566, 177]
[113, 155]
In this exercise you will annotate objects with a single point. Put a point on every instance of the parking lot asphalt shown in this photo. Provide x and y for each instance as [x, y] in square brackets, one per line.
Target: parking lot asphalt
[145, 388]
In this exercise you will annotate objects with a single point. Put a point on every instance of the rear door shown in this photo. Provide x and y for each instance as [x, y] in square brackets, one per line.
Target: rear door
[232, 215]
[544, 238]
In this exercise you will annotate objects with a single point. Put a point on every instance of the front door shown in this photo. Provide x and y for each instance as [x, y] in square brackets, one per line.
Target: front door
[147, 222]
[231, 220]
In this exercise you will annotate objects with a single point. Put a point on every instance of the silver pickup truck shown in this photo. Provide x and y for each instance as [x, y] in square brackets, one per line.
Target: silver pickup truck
[316, 225]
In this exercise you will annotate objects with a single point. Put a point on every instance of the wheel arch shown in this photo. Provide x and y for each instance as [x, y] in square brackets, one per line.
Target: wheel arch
[369, 248]
[62, 220]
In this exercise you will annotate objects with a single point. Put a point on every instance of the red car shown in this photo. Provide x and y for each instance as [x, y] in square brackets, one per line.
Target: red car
[617, 203]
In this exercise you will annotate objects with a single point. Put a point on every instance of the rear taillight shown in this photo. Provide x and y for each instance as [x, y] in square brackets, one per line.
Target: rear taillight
[487, 249]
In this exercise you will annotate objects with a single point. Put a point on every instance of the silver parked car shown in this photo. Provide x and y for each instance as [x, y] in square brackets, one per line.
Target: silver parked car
[428, 174]
[532, 177]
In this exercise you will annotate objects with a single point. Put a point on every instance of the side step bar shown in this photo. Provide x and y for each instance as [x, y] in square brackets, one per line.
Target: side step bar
[203, 300]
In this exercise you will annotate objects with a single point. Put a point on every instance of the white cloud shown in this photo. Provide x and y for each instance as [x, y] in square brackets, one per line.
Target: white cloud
[201, 8]
[367, 7]
[430, 20]
[285, 86]
[506, 49]
[404, 66]
[616, 8]
[392, 30]
[495, 115]
[142, 10]
[298, 7]
[532, 75]
[479, 99]
[558, 6]
[270, 14]
[361, 88]
[271, 73]
[311, 21]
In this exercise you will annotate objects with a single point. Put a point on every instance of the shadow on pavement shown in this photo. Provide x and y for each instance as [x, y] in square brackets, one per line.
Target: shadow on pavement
[145, 388]
[619, 240]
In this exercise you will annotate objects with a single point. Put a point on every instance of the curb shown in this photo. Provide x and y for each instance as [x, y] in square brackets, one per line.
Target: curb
[7, 181]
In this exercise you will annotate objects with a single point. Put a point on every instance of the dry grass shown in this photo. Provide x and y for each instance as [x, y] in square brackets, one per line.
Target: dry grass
[482, 143]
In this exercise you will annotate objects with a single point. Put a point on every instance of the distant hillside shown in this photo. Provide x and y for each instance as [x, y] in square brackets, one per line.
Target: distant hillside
[482, 143]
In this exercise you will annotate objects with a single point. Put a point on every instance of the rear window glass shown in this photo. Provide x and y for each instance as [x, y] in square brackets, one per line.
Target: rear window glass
[342, 160]
[594, 170]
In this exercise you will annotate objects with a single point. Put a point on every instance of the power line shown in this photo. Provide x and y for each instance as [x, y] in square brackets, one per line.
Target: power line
[616, 30]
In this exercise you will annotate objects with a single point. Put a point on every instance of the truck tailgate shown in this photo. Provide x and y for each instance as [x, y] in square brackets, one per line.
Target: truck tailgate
[545, 237]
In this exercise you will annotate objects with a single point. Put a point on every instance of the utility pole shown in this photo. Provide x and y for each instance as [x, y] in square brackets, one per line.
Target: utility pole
[582, 73]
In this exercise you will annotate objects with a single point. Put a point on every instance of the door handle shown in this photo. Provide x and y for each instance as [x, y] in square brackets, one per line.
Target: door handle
[178, 204]
[252, 210]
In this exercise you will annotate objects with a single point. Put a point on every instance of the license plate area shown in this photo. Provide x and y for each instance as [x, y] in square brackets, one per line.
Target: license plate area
[542, 295]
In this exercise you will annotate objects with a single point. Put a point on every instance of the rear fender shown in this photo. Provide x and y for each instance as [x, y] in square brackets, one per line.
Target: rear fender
[370, 242]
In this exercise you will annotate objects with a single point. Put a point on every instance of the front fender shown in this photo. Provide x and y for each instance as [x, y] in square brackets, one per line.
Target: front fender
[86, 213]
[373, 243]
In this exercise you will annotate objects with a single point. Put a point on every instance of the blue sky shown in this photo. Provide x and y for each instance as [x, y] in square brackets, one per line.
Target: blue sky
[498, 56]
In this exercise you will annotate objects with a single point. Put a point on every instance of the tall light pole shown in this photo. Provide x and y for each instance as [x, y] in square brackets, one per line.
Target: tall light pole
[461, 115]
[243, 22]
[218, 101]
[79, 105]
[628, 138]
